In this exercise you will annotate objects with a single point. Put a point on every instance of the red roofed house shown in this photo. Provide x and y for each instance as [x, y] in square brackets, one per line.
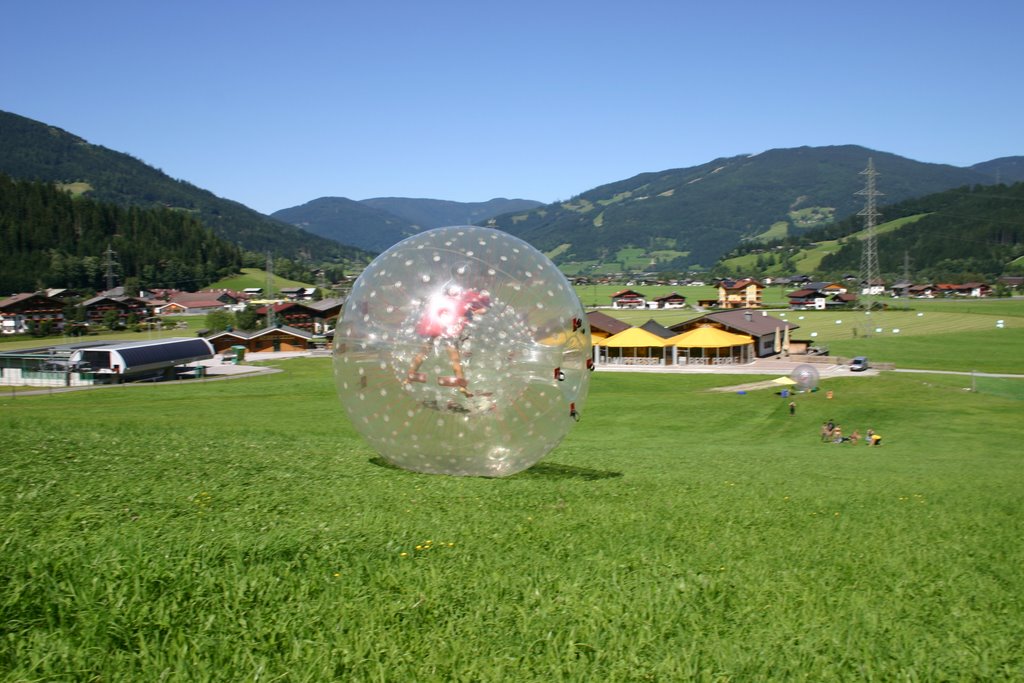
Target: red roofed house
[199, 302]
[628, 298]
[673, 300]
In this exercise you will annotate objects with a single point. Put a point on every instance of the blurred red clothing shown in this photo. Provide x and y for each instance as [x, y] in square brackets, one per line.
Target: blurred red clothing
[447, 313]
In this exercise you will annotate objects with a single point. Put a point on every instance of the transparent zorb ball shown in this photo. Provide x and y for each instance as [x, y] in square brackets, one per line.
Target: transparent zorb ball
[462, 350]
[805, 376]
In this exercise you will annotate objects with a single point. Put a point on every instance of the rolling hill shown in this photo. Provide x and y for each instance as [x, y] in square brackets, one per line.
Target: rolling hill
[695, 215]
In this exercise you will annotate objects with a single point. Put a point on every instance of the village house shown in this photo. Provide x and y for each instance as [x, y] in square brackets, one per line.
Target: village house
[745, 293]
[268, 339]
[328, 310]
[294, 314]
[673, 300]
[201, 302]
[98, 307]
[873, 288]
[26, 312]
[628, 298]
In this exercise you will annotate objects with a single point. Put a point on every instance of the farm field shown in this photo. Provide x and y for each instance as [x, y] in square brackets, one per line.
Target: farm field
[236, 530]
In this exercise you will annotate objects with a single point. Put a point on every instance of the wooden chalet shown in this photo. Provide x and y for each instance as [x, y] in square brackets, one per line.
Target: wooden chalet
[329, 310]
[22, 313]
[673, 300]
[98, 307]
[294, 314]
[972, 289]
[267, 340]
[806, 299]
[628, 298]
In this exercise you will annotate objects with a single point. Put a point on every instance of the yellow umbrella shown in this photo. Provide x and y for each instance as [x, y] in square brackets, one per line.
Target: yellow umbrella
[783, 380]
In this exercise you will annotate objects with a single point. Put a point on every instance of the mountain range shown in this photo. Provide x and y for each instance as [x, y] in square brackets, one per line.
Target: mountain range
[673, 219]
[690, 217]
[376, 224]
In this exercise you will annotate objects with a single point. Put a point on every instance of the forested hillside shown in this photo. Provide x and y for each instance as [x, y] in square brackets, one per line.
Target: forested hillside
[969, 233]
[964, 234]
[31, 150]
[50, 239]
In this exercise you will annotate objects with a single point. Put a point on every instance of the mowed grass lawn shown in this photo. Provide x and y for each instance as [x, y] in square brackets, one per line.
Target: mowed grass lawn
[240, 530]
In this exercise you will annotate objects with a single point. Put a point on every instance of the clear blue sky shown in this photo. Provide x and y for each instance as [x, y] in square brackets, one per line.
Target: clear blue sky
[275, 103]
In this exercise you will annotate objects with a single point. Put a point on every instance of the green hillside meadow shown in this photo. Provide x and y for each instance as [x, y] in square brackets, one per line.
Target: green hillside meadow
[241, 530]
[255, 277]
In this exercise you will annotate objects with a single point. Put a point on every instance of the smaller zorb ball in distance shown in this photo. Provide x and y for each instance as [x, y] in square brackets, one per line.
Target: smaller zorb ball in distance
[805, 376]
[464, 351]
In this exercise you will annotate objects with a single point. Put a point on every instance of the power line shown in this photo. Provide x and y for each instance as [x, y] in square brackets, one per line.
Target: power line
[109, 263]
[869, 275]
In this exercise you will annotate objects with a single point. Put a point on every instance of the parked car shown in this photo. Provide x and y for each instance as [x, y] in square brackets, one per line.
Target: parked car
[859, 364]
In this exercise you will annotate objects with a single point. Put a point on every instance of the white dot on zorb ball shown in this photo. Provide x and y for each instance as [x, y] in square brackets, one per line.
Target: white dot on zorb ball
[482, 377]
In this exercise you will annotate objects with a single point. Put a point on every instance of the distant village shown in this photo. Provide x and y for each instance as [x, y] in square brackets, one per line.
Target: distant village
[301, 309]
[806, 294]
[729, 330]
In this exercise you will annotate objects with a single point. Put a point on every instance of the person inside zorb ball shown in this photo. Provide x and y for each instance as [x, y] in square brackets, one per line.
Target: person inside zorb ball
[805, 376]
[464, 351]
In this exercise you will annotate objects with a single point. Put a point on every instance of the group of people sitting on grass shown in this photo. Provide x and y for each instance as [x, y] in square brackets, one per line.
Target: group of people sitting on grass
[833, 433]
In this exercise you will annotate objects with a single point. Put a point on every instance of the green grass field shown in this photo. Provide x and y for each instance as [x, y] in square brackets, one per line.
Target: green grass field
[255, 277]
[240, 530]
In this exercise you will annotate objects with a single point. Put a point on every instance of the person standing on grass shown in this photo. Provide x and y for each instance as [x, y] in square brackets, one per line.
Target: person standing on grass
[792, 408]
[826, 432]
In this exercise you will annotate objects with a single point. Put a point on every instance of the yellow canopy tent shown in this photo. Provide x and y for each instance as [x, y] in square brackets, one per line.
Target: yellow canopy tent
[636, 347]
[633, 337]
[694, 344]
